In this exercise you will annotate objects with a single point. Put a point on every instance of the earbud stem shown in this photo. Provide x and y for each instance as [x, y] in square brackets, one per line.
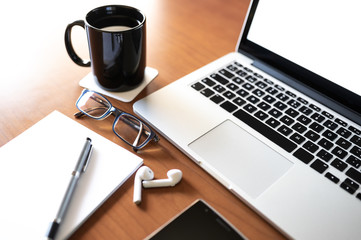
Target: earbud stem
[158, 183]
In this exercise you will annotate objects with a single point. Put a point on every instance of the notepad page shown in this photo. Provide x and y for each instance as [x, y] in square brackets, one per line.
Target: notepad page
[35, 170]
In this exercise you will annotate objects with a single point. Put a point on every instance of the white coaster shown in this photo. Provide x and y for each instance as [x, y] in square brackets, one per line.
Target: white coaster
[89, 82]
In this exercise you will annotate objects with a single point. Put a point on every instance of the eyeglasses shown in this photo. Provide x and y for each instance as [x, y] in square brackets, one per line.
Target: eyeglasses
[126, 126]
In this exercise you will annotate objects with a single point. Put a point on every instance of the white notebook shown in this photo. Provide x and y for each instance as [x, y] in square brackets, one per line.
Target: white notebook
[35, 170]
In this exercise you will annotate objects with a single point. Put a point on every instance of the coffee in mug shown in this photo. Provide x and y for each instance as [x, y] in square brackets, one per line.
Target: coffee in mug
[117, 46]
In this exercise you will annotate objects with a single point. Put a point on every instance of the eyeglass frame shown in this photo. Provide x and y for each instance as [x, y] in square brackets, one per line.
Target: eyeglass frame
[117, 114]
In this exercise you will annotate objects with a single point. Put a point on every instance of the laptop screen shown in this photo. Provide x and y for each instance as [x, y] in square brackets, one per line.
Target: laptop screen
[315, 42]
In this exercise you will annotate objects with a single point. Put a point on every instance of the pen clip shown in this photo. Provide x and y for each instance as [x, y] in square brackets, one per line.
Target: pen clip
[87, 158]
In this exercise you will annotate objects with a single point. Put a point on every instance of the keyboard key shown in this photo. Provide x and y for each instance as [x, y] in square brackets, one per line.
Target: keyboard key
[314, 107]
[327, 114]
[291, 94]
[250, 108]
[271, 91]
[354, 161]
[239, 101]
[264, 106]
[258, 75]
[293, 103]
[297, 138]
[324, 155]
[258, 92]
[329, 135]
[232, 68]
[339, 165]
[339, 152]
[219, 79]
[303, 155]
[292, 112]
[349, 185]
[281, 106]
[316, 127]
[219, 88]
[232, 86]
[242, 93]
[302, 100]
[305, 110]
[242, 73]
[356, 140]
[248, 86]
[275, 113]
[229, 95]
[310, 146]
[273, 122]
[261, 115]
[282, 97]
[343, 143]
[230, 107]
[304, 120]
[354, 130]
[356, 151]
[268, 81]
[330, 125]
[342, 123]
[287, 120]
[198, 86]
[279, 87]
[344, 132]
[354, 174]
[285, 130]
[207, 92]
[209, 82]
[268, 132]
[226, 73]
[319, 166]
[332, 177]
[217, 99]
[318, 117]
[252, 79]
[238, 80]
[269, 99]
[253, 99]
[312, 135]
[325, 144]
[299, 127]
[248, 70]
[261, 85]
[238, 64]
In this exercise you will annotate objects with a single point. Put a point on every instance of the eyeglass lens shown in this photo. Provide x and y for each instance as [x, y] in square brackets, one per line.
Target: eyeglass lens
[131, 130]
[94, 105]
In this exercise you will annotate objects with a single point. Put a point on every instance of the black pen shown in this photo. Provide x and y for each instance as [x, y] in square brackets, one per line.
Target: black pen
[79, 169]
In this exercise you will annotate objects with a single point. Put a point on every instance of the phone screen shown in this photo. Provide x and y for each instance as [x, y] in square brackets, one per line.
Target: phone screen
[199, 221]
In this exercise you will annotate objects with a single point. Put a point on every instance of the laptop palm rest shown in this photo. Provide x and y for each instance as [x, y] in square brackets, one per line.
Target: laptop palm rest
[244, 160]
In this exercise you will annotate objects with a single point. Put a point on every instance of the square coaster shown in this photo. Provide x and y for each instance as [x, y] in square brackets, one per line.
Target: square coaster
[89, 82]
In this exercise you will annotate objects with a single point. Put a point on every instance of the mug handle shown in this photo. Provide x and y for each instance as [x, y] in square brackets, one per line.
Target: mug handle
[69, 45]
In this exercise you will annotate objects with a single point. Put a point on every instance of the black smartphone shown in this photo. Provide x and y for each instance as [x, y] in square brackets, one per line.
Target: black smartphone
[198, 221]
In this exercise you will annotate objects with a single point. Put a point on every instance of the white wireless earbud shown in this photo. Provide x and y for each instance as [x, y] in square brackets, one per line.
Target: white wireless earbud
[143, 173]
[174, 177]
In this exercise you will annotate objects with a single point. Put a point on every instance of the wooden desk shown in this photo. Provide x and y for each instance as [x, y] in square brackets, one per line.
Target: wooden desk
[38, 77]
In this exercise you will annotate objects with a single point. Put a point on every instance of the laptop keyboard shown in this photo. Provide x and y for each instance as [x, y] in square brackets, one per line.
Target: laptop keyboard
[316, 137]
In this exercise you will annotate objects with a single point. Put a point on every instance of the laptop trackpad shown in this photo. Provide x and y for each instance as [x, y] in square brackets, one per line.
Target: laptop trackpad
[240, 157]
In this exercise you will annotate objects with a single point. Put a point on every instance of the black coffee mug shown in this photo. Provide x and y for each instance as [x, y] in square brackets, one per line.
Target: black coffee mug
[117, 46]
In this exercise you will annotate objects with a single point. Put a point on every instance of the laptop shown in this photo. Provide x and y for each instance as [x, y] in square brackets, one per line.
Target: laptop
[277, 122]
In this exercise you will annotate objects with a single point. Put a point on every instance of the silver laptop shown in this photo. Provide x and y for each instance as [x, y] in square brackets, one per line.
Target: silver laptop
[277, 122]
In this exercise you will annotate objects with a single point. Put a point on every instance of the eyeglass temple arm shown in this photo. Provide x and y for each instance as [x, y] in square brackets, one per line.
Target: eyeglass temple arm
[88, 110]
[136, 141]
